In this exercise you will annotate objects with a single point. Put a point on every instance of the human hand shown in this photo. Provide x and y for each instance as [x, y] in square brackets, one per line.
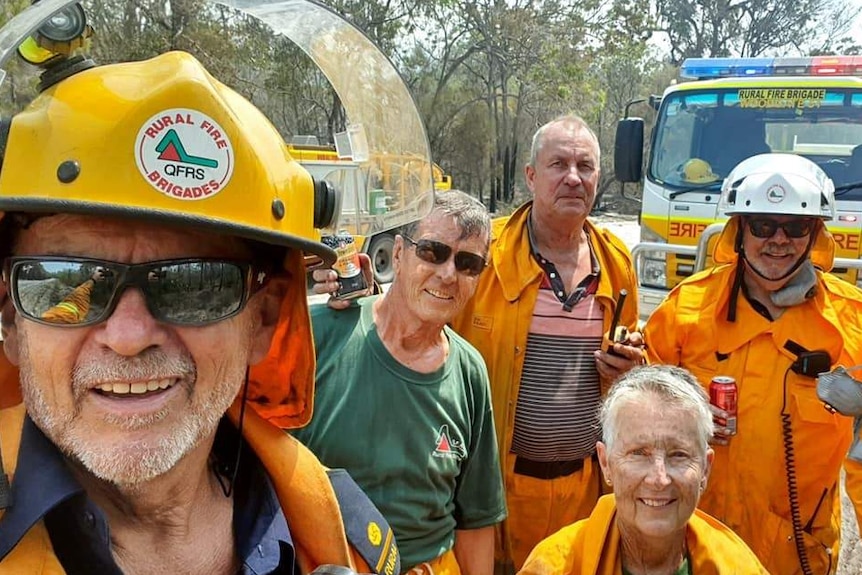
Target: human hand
[722, 434]
[326, 282]
[626, 355]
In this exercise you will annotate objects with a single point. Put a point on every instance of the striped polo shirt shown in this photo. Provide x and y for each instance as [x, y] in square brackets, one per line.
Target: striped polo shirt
[556, 417]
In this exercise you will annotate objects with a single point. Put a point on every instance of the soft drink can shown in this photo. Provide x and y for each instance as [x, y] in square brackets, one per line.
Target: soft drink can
[347, 266]
[723, 394]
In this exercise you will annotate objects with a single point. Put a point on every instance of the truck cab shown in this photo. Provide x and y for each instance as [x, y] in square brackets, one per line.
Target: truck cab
[728, 110]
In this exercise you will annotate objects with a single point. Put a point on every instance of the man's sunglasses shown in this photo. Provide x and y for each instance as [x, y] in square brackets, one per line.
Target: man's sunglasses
[766, 227]
[437, 253]
[75, 292]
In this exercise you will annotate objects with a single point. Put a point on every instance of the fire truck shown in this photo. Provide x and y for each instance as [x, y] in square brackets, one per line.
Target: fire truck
[369, 190]
[726, 110]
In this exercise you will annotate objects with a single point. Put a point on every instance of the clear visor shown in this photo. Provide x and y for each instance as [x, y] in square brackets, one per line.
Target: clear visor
[379, 159]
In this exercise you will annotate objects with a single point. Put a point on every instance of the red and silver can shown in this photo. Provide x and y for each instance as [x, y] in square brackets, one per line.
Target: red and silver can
[723, 394]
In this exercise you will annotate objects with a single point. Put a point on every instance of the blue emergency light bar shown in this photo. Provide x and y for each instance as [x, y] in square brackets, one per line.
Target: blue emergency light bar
[710, 68]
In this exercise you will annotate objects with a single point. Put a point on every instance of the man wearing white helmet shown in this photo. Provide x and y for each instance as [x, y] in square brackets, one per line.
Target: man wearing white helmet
[770, 316]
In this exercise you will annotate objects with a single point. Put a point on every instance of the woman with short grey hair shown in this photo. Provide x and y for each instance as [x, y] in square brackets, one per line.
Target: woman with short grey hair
[655, 454]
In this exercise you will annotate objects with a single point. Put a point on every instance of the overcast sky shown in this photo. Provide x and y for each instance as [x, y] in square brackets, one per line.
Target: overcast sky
[856, 31]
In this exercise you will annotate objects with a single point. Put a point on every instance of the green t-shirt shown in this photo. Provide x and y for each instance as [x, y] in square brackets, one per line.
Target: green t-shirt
[421, 446]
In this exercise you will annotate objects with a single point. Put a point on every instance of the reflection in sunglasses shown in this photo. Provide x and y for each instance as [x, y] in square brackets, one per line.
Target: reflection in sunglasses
[76, 291]
[438, 253]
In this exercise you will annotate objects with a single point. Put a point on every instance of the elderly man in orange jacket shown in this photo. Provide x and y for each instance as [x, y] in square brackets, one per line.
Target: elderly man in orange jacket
[540, 317]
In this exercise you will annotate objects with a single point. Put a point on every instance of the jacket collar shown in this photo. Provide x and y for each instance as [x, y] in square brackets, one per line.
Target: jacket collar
[750, 324]
[512, 255]
[42, 482]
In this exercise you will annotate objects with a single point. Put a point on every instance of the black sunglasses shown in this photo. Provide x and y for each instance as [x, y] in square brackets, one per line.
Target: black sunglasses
[437, 253]
[766, 227]
[75, 292]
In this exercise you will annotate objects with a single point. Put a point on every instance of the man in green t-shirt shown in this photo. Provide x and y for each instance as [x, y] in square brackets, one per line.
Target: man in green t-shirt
[403, 402]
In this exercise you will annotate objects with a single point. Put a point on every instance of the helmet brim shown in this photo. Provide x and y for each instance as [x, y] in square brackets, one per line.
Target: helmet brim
[210, 225]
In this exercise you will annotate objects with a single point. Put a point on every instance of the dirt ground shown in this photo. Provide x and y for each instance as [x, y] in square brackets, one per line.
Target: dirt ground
[850, 559]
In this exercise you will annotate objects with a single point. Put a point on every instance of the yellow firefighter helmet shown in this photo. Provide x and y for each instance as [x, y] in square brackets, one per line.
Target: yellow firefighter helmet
[159, 139]
[163, 141]
[697, 171]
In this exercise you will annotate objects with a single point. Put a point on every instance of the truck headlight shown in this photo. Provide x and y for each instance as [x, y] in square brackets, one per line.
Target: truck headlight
[652, 266]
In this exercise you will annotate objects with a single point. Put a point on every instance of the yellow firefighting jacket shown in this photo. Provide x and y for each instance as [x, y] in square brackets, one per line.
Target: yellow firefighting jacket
[74, 307]
[497, 319]
[300, 481]
[748, 488]
[592, 547]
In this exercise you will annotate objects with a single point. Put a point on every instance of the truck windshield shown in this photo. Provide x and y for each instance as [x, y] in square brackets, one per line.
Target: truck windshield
[702, 134]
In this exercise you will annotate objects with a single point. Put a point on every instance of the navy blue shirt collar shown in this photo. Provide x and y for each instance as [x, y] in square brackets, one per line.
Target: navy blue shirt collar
[43, 488]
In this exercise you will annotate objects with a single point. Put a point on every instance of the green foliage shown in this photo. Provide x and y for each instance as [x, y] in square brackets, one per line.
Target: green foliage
[707, 28]
[484, 73]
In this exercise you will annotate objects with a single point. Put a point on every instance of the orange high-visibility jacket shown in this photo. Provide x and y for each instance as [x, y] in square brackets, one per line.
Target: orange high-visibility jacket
[74, 307]
[748, 487]
[592, 547]
[497, 318]
[300, 482]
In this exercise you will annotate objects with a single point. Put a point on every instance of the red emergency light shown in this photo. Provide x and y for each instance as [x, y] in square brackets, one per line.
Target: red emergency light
[836, 65]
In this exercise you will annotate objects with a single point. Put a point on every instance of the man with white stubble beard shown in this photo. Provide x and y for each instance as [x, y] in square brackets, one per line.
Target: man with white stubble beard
[172, 346]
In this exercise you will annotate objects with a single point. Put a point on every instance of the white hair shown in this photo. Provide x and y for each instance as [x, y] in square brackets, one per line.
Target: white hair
[676, 387]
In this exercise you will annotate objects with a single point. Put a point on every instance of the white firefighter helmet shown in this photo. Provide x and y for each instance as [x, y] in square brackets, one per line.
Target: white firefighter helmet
[779, 184]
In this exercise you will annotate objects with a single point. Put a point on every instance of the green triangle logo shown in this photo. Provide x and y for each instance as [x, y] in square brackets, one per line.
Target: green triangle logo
[171, 149]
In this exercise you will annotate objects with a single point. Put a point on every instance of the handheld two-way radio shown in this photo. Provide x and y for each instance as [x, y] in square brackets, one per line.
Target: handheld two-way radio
[617, 333]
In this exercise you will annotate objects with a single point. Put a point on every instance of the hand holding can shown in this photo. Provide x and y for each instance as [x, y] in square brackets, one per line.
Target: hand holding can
[723, 395]
[347, 266]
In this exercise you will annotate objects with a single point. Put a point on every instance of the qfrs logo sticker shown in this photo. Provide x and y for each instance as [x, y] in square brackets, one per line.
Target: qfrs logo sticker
[184, 154]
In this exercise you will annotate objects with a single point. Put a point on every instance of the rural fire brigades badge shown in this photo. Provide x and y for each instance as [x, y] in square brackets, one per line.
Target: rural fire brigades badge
[184, 154]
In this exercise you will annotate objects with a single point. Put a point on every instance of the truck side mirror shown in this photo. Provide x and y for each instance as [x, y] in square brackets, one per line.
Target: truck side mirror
[629, 150]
